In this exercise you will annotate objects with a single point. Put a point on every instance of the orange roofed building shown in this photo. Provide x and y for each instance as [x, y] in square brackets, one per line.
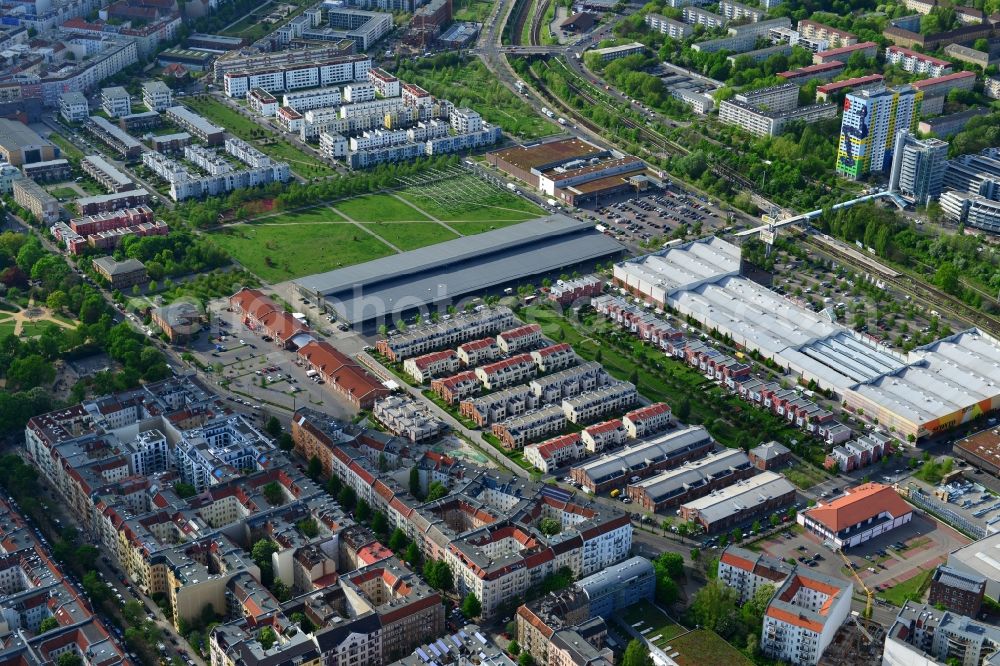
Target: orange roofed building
[864, 513]
[803, 617]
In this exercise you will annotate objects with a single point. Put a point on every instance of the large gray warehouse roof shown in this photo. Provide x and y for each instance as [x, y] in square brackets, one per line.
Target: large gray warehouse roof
[472, 264]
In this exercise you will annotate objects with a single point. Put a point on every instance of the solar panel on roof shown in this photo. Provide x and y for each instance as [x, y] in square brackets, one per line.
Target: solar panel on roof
[479, 636]
[444, 647]
[433, 648]
[556, 493]
[423, 655]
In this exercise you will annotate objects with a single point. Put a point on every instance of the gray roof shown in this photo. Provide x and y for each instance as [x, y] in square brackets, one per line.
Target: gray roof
[770, 450]
[15, 135]
[470, 264]
[693, 474]
[113, 267]
[645, 454]
[961, 580]
[740, 496]
[108, 169]
[616, 576]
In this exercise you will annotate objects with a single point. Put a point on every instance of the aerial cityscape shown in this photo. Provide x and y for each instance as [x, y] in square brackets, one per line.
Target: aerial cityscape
[499, 333]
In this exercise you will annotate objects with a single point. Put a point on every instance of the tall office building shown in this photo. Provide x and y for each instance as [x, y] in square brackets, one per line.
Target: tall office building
[918, 167]
[872, 119]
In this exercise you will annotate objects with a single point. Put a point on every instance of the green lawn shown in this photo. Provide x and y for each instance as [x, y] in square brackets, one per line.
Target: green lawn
[495, 205]
[319, 214]
[472, 10]
[805, 476]
[32, 328]
[909, 589]
[64, 193]
[706, 648]
[470, 83]
[68, 150]
[644, 615]
[277, 253]
[378, 208]
[220, 114]
[6, 328]
[411, 235]
[301, 163]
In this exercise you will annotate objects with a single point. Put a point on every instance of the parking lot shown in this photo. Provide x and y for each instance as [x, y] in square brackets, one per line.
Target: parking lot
[970, 501]
[890, 559]
[657, 215]
[259, 375]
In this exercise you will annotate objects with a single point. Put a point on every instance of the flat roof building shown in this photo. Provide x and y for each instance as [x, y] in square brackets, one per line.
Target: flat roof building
[804, 616]
[442, 273]
[863, 513]
[981, 558]
[959, 591]
[981, 450]
[19, 144]
[690, 481]
[752, 498]
[925, 636]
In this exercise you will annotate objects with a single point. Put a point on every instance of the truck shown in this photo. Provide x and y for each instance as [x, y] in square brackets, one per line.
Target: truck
[562, 121]
[311, 373]
[512, 187]
[521, 88]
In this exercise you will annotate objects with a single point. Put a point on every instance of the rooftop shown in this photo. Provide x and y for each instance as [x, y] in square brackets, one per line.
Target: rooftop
[741, 495]
[547, 155]
[869, 500]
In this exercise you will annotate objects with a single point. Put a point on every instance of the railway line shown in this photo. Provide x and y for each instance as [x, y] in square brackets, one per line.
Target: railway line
[541, 7]
[917, 289]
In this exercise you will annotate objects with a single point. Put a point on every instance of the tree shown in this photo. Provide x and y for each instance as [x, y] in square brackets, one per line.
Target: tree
[436, 491]
[57, 300]
[672, 563]
[713, 605]
[30, 371]
[513, 647]
[285, 442]
[525, 659]
[273, 426]
[695, 554]
[184, 490]
[272, 493]
[415, 488]
[636, 654]
[48, 624]
[347, 497]
[471, 607]
[69, 659]
[261, 554]
[315, 468]
[398, 540]
[379, 524]
[309, 527]
[549, 526]
[683, 411]
[412, 554]
[362, 511]
[438, 575]
[267, 638]
[207, 614]
[333, 485]
[383, 463]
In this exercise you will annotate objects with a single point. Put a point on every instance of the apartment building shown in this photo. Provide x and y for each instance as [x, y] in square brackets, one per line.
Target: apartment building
[610, 53]
[488, 409]
[804, 616]
[107, 203]
[359, 92]
[784, 97]
[698, 16]
[507, 372]
[433, 336]
[121, 275]
[861, 514]
[114, 137]
[208, 133]
[553, 388]
[753, 498]
[640, 322]
[871, 121]
[456, 388]
[668, 26]
[107, 174]
[758, 122]
[844, 53]
[386, 85]
[647, 420]
[770, 455]
[515, 432]
[478, 352]
[73, 107]
[642, 460]
[554, 357]
[554, 453]
[697, 478]
[157, 95]
[927, 636]
[959, 591]
[408, 418]
[291, 76]
[262, 102]
[861, 452]
[517, 339]
[116, 101]
[917, 63]
[318, 98]
[746, 571]
[32, 197]
[737, 11]
[465, 121]
[565, 292]
[834, 37]
[605, 435]
[599, 402]
[48, 172]
[425, 367]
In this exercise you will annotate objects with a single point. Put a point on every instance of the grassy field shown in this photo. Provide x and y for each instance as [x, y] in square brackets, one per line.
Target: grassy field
[469, 199]
[472, 10]
[805, 476]
[471, 84]
[301, 163]
[316, 215]
[378, 208]
[64, 193]
[6, 328]
[411, 235]
[277, 253]
[68, 150]
[909, 589]
[644, 615]
[706, 648]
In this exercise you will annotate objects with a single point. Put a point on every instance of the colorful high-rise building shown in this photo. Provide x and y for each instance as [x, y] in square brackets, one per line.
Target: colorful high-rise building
[872, 118]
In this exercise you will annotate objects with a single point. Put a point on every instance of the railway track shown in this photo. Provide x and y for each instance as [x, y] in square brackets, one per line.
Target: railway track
[917, 289]
[536, 22]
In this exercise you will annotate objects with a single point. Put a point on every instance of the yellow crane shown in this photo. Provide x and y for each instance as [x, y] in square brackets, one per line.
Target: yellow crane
[868, 593]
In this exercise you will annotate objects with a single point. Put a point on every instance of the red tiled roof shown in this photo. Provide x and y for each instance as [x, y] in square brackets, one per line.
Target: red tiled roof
[601, 428]
[427, 359]
[554, 349]
[521, 331]
[919, 56]
[520, 359]
[847, 49]
[925, 83]
[858, 505]
[649, 411]
[847, 83]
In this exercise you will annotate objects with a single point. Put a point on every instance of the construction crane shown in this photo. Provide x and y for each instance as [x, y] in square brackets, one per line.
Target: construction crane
[868, 593]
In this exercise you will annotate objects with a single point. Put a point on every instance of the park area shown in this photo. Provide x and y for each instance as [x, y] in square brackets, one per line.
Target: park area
[302, 163]
[425, 211]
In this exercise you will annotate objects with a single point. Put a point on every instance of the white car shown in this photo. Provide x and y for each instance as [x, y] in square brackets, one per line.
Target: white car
[243, 342]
